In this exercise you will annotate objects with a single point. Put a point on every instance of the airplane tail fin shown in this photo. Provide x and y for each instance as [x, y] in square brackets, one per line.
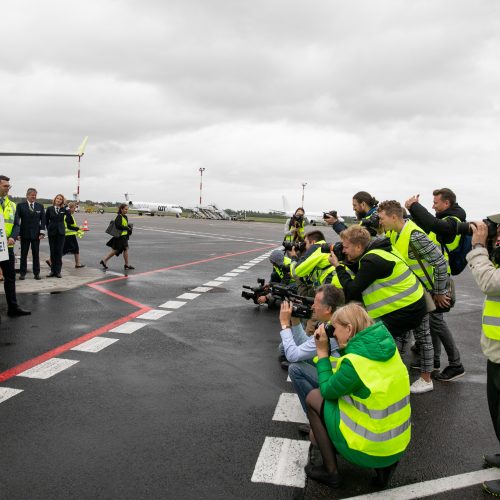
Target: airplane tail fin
[83, 145]
[286, 205]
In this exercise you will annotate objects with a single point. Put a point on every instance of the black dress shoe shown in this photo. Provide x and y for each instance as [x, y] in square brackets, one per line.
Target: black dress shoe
[51, 275]
[58, 275]
[103, 264]
[37, 277]
[128, 267]
[492, 460]
[18, 312]
[22, 276]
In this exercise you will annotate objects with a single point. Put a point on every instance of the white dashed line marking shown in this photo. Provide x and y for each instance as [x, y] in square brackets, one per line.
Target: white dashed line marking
[231, 274]
[128, 327]
[153, 314]
[282, 461]
[188, 296]
[238, 271]
[48, 368]
[7, 393]
[212, 283]
[244, 268]
[201, 289]
[95, 345]
[222, 278]
[289, 409]
[173, 304]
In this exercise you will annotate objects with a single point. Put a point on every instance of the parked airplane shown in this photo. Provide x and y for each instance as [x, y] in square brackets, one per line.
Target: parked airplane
[312, 217]
[152, 208]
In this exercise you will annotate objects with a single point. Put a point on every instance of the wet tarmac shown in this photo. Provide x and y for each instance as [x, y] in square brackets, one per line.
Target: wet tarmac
[144, 385]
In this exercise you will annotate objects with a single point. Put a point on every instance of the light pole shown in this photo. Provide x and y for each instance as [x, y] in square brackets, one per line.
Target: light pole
[201, 169]
[304, 184]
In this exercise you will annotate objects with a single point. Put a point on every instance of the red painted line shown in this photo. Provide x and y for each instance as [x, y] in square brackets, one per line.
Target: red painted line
[16, 370]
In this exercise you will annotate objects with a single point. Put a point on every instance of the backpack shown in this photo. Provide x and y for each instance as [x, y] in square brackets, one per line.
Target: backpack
[456, 258]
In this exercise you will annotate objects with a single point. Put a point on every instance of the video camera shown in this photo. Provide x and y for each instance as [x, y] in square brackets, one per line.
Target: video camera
[336, 248]
[256, 291]
[332, 213]
[299, 246]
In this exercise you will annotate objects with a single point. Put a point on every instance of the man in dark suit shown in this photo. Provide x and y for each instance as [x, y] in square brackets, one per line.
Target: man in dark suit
[30, 215]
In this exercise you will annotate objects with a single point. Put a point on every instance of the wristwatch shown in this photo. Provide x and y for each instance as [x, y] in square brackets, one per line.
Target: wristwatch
[477, 245]
[284, 327]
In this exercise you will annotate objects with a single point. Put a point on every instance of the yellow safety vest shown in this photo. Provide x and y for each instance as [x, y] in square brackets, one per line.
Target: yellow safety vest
[448, 246]
[70, 232]
[313, 267]
[491, 316]
[124, 223]
[8, 209]
[400, 289]
[300, 233]
[335, 278]
[401, 242]
[379, 425]
[279, 271]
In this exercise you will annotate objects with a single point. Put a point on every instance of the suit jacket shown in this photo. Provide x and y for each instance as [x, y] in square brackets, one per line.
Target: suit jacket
[55, 221]
[31, 222]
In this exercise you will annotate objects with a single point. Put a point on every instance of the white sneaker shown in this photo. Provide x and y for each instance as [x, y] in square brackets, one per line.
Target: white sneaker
[420, 386]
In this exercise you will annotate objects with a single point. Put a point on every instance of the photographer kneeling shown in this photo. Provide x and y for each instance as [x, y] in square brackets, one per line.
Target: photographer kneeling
[484, 263]
[361, 409]
[299, 348]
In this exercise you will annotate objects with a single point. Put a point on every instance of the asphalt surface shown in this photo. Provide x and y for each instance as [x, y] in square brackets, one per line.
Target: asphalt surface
[181, 407]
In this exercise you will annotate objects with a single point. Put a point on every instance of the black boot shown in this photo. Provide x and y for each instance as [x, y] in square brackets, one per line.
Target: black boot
[384, 475]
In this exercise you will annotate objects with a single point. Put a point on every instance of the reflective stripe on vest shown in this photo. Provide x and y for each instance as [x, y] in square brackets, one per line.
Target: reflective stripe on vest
[124, 223]
[379, 425]
[8, 210]
[70, 232]
[398, 290]
[491, 317]
[402, 243]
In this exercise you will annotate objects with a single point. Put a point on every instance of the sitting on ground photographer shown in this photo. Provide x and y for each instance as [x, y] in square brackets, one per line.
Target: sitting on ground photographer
[294, 226]
[369, 380]
[384, 283]
[279, 275]
[429, 265]
[299, 348]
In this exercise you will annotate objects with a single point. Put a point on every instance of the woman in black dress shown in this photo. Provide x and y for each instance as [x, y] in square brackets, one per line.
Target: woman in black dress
[71, 243]
[119, 244]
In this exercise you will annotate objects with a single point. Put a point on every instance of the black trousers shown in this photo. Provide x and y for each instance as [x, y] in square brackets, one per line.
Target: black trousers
[56, 244]
[35, 252]
[9, 279]
[493, 394]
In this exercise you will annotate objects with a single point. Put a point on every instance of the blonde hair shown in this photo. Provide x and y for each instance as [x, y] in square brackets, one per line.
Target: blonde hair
[352, 314]
[357, 235]
[63, 198]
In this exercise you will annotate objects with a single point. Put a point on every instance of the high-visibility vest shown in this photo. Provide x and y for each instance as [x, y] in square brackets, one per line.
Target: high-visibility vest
[300, 233]
[447, 247]
[491, 316]
[313, 267]
[70, 232]
[379, 425]
[400, 289]
[8, 209]
[279, 269]
[401, 242]
[335, 277]
[124, 223]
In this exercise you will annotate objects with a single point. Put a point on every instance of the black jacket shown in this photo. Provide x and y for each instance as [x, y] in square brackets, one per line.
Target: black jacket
[31, 222]
[446, 229]
[375, 267]
[55, 222]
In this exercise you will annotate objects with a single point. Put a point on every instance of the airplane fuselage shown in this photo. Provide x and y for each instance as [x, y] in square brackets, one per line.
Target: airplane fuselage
[153, 208]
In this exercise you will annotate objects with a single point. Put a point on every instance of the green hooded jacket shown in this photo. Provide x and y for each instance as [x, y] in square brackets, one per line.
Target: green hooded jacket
[375, 343]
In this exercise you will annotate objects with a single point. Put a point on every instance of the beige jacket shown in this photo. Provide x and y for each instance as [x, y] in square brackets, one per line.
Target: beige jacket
[488, 279]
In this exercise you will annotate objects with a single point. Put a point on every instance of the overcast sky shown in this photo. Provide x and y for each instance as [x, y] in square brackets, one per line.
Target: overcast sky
[392, 97]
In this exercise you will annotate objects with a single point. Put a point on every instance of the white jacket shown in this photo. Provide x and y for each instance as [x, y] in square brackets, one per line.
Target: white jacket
[487, 277]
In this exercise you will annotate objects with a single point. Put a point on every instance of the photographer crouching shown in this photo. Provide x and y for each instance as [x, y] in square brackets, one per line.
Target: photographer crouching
[484, 263]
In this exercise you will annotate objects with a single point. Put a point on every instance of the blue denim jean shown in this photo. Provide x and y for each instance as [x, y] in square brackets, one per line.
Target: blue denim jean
[304, 377]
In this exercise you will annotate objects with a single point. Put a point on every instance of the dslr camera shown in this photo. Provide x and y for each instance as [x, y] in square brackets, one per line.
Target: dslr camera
[299, 246]
[332, 213]
[336, 248]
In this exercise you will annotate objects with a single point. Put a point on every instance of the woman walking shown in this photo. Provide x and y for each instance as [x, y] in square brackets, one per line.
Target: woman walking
[71, 242]
[119, 244]
[57, 217]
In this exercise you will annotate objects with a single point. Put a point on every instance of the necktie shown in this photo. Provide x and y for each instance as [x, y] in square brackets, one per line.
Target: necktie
[32, 206]
[57, 210]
